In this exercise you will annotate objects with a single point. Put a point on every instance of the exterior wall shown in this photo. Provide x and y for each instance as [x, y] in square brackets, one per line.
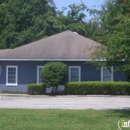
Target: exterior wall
[20, 88]
[118, 76]
[27, 73]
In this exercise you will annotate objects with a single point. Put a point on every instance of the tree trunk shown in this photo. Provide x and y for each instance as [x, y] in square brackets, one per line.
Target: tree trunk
[55, 90]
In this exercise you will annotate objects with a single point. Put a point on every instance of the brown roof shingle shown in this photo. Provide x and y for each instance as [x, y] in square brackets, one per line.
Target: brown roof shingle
[65, 45]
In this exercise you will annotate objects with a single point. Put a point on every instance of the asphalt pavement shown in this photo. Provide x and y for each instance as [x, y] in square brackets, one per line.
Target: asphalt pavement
[78, 102]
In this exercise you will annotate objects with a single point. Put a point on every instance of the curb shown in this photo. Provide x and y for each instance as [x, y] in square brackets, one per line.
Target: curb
[61, 96]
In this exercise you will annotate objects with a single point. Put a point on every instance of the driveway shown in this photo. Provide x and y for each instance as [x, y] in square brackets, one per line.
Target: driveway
[65, 102]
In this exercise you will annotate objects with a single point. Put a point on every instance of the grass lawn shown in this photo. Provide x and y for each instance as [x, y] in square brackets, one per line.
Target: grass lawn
[22, 119]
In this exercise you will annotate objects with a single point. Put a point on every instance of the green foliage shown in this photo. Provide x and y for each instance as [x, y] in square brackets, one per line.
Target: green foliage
[36, 89]
[112, 88]
[75, 14]
[115, 23]
[54, 74]
[22, 22]
[76, 20]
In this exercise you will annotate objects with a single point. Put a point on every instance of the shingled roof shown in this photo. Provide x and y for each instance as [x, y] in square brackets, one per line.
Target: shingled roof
[65, 45]
[3, 52]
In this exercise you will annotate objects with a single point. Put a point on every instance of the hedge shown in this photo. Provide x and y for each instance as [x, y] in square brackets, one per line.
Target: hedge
[105, 88]
[36, 89]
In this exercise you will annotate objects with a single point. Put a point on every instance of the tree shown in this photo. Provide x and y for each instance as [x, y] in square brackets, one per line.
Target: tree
[24, 21]
[54, 74]
[75, 14]
[115, 23]
[76, 20]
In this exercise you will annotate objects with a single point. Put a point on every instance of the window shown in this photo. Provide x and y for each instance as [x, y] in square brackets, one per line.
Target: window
[39, 79]
[12, 75]
[106, 74]
[74, 73]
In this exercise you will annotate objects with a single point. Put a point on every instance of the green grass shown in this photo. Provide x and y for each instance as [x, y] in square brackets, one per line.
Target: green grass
[20, 119]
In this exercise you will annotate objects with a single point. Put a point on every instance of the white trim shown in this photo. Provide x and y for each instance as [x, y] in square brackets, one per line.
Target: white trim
[12, 84]
[79, 67]
[38, 73]
[102, 73]
[87, 59]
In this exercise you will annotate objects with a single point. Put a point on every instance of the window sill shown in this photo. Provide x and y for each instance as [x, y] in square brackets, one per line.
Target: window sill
[11, 84]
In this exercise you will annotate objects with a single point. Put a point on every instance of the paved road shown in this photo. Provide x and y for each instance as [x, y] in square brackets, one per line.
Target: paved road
[66, 102]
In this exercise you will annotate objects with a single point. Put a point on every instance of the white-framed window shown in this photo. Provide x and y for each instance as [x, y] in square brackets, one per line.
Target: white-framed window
[106, 74]
[12, 75]
[74, 73]
[39, 79]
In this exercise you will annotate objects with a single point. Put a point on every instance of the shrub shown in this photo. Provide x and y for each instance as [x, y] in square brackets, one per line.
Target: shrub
[54, 74]
[111, 88]
[36, 89]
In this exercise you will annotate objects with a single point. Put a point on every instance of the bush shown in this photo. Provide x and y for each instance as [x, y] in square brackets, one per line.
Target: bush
[36, 89]
[111, 88]
[54, 74]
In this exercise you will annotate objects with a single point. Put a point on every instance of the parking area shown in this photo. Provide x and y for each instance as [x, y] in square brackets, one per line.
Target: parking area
[65, 102]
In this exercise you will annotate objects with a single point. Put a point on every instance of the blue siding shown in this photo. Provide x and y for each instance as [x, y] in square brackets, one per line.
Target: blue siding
[27, 73]
[90, 73]
[118, 76]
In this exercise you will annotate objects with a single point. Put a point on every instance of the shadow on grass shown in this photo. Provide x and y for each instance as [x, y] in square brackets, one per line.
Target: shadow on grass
[123, 113]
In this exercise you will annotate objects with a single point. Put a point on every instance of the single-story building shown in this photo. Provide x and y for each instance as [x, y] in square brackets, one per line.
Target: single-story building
[22, 65]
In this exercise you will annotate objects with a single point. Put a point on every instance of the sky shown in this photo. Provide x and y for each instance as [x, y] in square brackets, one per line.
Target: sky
[89, 3]
[95, 4]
